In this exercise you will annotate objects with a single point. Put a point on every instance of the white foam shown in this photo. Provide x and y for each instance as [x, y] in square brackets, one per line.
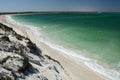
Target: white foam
[90, 63]
[32, 28]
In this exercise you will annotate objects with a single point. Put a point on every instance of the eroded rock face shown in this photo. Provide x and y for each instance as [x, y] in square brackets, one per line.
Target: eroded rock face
[4, 77]
[14, 57]
[13, 62]
[20, 59]
[6, 74]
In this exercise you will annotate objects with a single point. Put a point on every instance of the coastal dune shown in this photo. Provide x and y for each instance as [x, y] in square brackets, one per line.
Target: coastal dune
[69, 69]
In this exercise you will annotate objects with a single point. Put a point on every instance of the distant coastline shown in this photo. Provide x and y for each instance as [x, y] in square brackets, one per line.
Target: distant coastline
[49, 12]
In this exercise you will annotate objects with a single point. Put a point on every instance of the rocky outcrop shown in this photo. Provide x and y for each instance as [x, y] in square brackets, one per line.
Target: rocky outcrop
[20, 59]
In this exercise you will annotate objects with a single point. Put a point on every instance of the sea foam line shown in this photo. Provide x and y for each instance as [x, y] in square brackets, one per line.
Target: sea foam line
[90, 63]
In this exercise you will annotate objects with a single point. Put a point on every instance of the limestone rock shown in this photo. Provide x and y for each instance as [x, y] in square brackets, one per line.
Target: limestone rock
[13, 62]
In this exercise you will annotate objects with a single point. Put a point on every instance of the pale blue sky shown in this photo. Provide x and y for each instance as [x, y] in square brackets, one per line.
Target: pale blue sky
[59, 5]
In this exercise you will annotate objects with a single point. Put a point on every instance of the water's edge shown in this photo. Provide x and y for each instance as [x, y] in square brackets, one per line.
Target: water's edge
[90, 63]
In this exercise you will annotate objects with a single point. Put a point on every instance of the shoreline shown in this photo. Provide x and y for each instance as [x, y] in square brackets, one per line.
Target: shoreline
[77, 71]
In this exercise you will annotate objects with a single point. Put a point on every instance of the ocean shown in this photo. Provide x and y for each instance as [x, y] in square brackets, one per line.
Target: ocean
[91, 38]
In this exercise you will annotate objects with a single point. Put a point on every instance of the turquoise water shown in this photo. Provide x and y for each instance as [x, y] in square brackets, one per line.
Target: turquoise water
[97, 35]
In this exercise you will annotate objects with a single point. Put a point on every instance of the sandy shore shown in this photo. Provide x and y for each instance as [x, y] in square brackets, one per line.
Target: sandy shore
[75, 70]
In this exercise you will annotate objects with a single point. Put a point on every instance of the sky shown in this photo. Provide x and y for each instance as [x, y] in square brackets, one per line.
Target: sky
[59, 5]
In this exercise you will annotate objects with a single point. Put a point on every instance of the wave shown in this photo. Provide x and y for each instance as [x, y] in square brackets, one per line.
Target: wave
[90, 63]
